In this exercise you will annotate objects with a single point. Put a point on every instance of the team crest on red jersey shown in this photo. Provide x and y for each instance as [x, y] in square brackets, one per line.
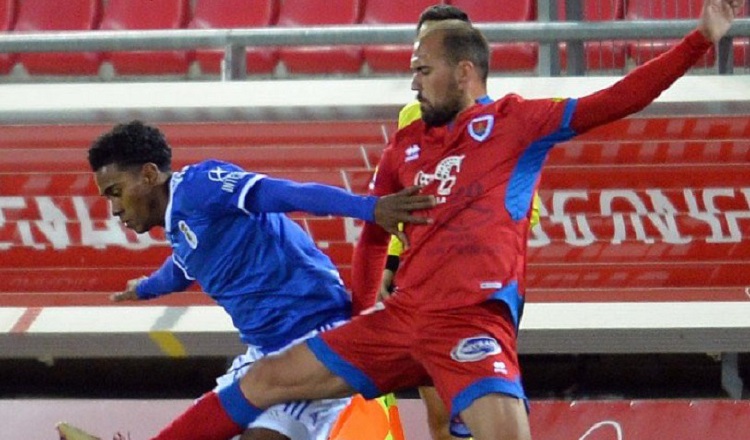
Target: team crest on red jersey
[481, 127]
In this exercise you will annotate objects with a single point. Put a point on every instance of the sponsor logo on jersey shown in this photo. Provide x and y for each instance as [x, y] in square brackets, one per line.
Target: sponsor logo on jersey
[217, 174]
[190, 236]
[500, 367]
[412, 153]
[445, 173]
[481, 127]
[228, 179]
[475, 348]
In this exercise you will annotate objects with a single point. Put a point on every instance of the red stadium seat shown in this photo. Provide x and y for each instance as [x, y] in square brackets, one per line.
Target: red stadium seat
[320, 59]
[141, 15]
[48, 15]
[7, 20]
[741, 48]
[505, 56]
[227, 14]
[644, 50]
[599, 55]
[392, 58]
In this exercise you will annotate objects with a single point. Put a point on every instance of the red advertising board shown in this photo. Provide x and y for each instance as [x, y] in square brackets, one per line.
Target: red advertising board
[641, 420]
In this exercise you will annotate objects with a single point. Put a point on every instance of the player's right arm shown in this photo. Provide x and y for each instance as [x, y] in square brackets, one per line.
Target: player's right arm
[370, 251]
[167, 279]
[408, 114]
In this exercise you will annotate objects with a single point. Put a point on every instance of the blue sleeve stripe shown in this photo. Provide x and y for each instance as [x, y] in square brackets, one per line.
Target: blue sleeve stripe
[483, 387]
[340, 367]
[243, 194]
[526, 173]
[570, 108]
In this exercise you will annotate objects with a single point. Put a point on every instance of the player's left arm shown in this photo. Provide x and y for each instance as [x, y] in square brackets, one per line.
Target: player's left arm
[645, 83]
[167, 279]
[279, 195]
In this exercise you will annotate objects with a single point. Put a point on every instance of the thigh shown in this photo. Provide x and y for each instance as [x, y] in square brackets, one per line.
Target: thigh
[310, 419]
[373, 352]
[294, 374]
[470, 352]
[239, 367]
[437, 414]
[497, 416]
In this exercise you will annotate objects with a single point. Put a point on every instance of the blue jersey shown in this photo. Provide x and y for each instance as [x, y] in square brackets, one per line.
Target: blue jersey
[261, 267]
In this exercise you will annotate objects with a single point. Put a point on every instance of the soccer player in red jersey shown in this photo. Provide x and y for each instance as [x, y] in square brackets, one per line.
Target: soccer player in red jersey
[454, 319]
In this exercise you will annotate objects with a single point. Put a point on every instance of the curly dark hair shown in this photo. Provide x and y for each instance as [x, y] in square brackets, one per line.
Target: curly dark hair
[131, 144]
[440, 13]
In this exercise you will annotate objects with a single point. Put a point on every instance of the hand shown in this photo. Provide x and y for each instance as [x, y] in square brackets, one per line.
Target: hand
[717, 17]
[129, 294]
[396, 208]
[385, 285]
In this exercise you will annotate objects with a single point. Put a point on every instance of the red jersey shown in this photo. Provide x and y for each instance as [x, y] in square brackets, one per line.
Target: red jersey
[482, 169]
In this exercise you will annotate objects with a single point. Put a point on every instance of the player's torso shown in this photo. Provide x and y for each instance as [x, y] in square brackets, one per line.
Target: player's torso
[262, 268]
[472, 241]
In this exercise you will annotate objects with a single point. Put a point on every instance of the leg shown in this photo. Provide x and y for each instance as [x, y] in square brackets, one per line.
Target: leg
[438, 418]
[301, 419]
[470, 354]
[497, 417]
[383, 364]
[295, 374]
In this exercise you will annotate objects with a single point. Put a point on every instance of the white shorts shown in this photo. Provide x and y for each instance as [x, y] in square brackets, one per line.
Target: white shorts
[300, 420]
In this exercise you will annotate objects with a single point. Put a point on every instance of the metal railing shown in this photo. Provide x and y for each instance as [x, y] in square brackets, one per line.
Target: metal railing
[234, 41]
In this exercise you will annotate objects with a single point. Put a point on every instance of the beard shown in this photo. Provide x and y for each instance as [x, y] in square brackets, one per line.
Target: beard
[439, 115]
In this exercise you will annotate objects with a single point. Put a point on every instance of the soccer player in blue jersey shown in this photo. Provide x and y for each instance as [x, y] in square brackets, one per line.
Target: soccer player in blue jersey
[228, 233]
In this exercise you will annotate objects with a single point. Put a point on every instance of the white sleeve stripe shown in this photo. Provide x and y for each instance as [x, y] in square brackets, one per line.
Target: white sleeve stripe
[182, 268]
[250, 183]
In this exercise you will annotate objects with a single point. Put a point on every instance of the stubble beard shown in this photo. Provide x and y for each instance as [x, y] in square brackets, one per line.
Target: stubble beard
[438, 116]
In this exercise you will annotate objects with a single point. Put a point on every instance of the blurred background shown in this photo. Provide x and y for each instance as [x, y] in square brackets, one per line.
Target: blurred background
[638, 282]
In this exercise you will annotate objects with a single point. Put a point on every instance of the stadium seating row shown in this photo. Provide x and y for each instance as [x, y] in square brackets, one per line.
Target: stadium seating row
[656, 217]
[84, 15]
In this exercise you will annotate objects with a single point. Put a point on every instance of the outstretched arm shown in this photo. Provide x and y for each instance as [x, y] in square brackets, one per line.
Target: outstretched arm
[279, 195]
[645, 83]
[167, 279]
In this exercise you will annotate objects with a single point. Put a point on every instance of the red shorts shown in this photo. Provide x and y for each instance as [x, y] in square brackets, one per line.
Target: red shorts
[466, 353]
